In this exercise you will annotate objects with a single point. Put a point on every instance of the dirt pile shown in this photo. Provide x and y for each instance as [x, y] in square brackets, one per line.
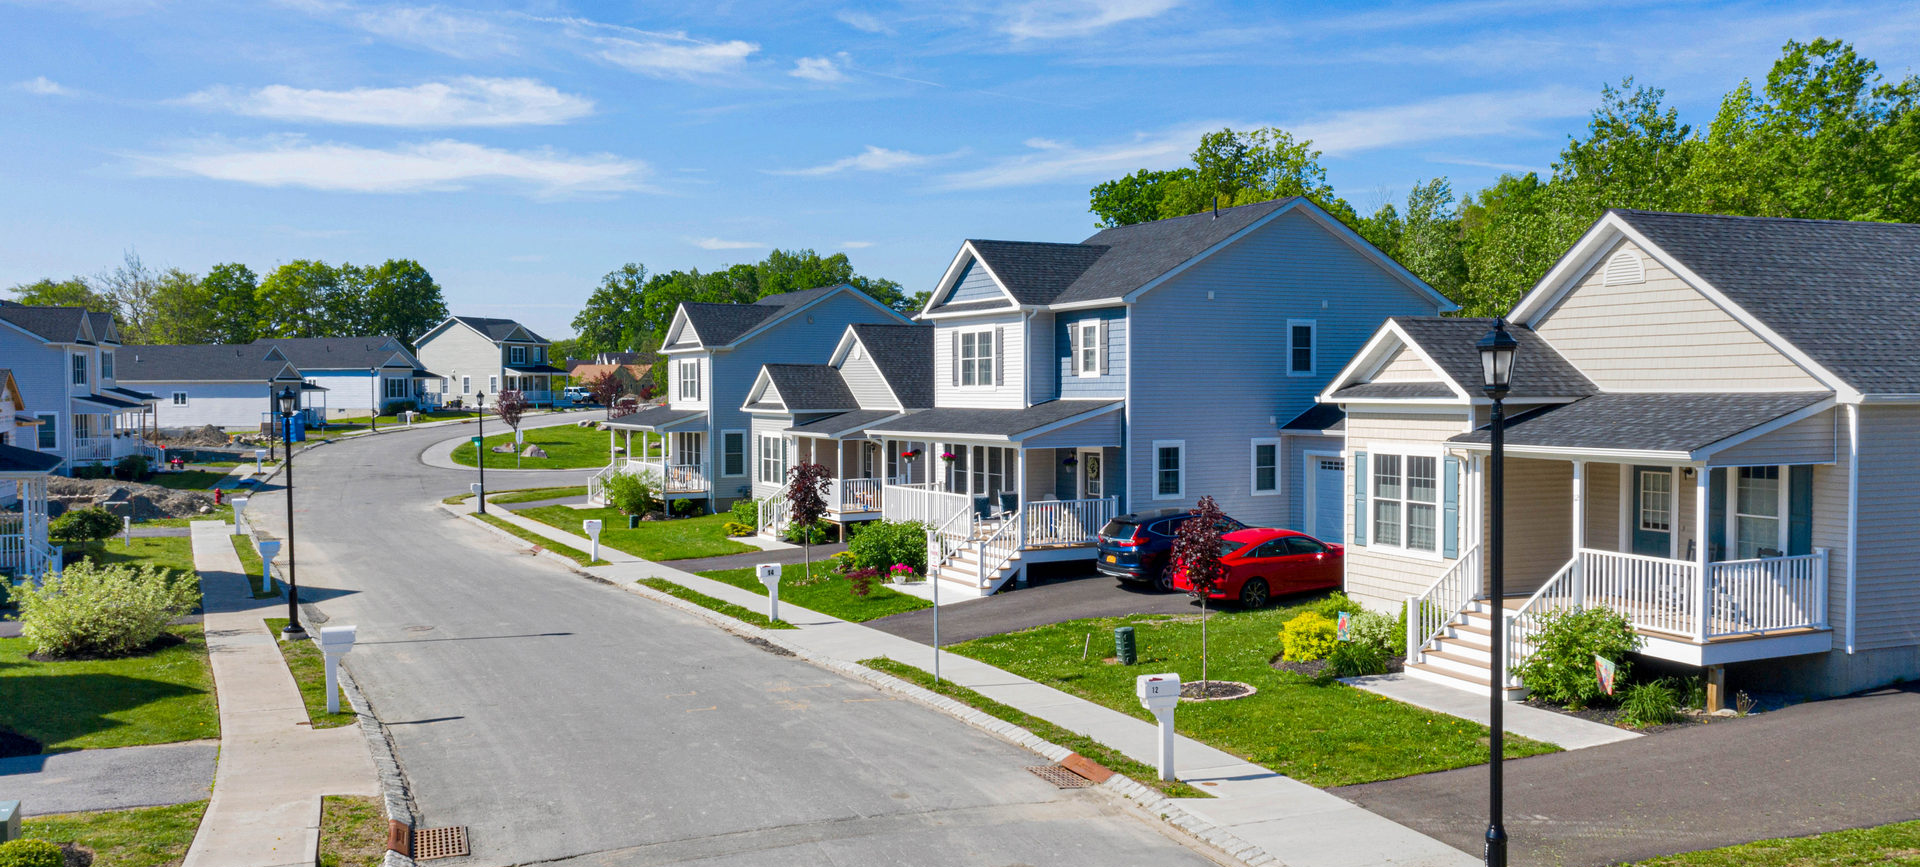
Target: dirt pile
[148, 501]
[194, 436]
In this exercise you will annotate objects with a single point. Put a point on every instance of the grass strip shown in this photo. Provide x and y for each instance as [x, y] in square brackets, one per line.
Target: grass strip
[457, 499]
[353, 831]
[309, 669]
[1898, 843]
[159, 697]
[222, 512]
[703, 600]
[676, 539]
[1112, 759]
[567, 447]
[825, 592]
[539, 541]
[533, 494]
[140, 837]
[250, 562]
[186, 480]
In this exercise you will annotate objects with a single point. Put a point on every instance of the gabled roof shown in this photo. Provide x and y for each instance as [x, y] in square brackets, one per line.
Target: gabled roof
[1680, 423]
[904, 355]
[810, 387]
[657, 418]
[1037, 272]
[213, 362]
[722, 324]
[10, 391]
[840, 425]
[338, 353]
[14, 459]
[104, 329]
[496, 330]
[1453, 343]
[52, 324]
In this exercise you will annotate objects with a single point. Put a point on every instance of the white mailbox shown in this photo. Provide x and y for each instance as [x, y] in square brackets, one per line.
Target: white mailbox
[475, 488]
[239, 515]
[259, 457]
[592, 526]
[335, 641]
[269, 549]
[769, 575]
[1160, 693]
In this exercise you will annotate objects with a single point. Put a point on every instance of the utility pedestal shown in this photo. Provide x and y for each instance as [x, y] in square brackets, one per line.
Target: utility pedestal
[592, 526]
[1160, 693]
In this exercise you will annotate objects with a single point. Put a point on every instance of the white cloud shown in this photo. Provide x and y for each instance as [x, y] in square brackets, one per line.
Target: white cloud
[452, 32]
[292, 161]
[826, 70]
[863, 21]
[41, 85]
[856, 245]
[873, 159]
[1053, 161]
[1054, 19]
[675, 55]
[467, 101]
[1467, 115]
[723, 244]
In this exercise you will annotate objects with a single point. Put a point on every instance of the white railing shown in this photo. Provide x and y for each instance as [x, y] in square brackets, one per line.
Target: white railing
[1655, 593]
[1523, 622]
[537, 396]
[597, 485]
[674, 478]
[25, 557]
[1065, 522]
[1430, 611]
[771, 515]
[855, 495]
[994, 552]
[92, 448]
[923, 503]
[945, 538]
[1749, 596]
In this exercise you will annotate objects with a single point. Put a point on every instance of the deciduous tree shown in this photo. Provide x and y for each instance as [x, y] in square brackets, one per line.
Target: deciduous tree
[1196, 553]
[807, 502]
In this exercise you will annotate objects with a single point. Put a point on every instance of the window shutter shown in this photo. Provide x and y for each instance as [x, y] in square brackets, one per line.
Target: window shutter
[1799, 511]
[953, 361]
[1450, 509]
[999, 355]
[1359, 498]
[1716, 514]
[1073, 348]
[1100, 348]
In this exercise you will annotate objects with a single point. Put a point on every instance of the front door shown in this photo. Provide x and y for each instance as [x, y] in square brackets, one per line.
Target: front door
[1650, 511]
[1091, 480]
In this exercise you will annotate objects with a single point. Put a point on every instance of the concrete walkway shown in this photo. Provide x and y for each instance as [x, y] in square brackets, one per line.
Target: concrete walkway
[265, 810]
[1291, 820]
[114, 779]
[1566, 732]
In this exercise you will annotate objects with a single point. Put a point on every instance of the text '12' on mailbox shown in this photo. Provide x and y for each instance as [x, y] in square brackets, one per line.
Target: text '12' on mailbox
[1157, 686]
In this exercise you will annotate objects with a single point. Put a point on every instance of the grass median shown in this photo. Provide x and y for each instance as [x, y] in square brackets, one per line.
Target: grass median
[250, 562]
[309, 668]
[539, 541]
[533, 495]
[825, 592]
[1898, 843]
[1112, 759]
[567, 448]
[140, 837]
[353, 831]
[704, 601]
[676, 539]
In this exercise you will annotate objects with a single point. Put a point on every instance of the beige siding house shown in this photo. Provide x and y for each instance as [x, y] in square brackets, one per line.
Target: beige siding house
[472, 355]
[1714, 428]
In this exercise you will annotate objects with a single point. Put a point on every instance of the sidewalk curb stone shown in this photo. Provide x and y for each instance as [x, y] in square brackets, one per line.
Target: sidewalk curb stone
[393, 780]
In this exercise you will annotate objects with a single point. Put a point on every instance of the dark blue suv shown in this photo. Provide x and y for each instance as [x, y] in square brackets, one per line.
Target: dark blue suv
[1135, 548]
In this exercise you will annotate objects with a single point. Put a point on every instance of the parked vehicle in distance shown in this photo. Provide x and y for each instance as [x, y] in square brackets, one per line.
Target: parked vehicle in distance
[1135, 548]
[1262, 564]
[578, 395]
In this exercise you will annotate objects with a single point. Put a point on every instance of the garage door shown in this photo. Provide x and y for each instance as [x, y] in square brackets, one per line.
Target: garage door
[1328, 509]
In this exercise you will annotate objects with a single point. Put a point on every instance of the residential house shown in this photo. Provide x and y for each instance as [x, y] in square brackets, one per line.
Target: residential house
[25, 551]
[1714, 430]
[714, 353]
[819, 413]
[635, 379]
[1143, 367]
[356, 375]
[473, 355]
[228, 386]
[65, 360]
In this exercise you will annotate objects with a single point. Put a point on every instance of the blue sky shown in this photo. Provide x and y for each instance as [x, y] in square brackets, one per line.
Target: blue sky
[520, 151]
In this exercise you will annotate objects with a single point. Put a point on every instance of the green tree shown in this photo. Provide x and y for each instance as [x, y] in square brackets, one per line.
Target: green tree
[1430, 243]
[292, 301]
[182, 310]
[232, 294]
[71, 292]
[607, 322]
[402, 300]
[1137, 198]
[133, 287]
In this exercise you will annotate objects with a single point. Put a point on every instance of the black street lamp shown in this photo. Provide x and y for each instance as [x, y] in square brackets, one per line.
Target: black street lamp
[1496, 365]
[288, 400]
[480, 449]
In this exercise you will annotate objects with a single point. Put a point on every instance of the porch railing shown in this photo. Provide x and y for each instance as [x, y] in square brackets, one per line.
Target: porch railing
[1749, 596]
[771, 514]
[855, 495]
[1560, 592]
[21, 554]
[92, 448]
[923, 503]
[674, 478]
[1065, 522]
[945, 538]
[597, 484]
[1429, 611]
[994, 552]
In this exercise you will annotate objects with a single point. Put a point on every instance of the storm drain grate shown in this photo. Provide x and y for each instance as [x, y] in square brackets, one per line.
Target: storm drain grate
[1060, 777]
[431, 843]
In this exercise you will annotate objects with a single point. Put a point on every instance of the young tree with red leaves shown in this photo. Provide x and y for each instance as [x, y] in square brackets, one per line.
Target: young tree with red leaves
[605, 390]
[1196, 552]
[510, 405]
[807, 502]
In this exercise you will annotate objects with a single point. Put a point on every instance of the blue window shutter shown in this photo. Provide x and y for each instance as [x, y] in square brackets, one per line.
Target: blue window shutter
[1716, 515]
[1359, 498]
[1450, 509]
[1799, 510]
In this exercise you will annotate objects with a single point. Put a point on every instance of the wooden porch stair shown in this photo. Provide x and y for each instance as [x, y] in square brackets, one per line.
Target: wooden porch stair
[962, 572]
[1462, 655]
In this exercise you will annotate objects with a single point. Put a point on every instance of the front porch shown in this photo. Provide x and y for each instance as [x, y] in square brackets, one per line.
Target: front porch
[671, 449]
[25, 552]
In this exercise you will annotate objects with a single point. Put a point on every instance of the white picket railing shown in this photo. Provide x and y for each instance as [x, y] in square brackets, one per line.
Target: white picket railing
[1749, 596]
[92, 448]
[1429, 611]
[945, 538]
[1522, 623]
[674, 478]
[994, 552]
[1051, 523]
[597, 484]
[1655, 593]
[923, 503]
[855, 495]
[771, 515]
[25, 557]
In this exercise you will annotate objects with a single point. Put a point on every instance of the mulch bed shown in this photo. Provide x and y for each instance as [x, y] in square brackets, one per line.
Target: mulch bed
[1689, 718]
[13, 743]
[1318, 667]
[76, 855]
[1215, 690]
[166, 640]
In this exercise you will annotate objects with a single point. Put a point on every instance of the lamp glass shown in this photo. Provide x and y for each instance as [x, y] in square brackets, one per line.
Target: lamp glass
[286, 400]
[1496, 358]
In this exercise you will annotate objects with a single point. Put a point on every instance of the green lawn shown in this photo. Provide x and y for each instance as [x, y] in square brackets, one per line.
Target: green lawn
[140, 837]
[678, 539]
[157, 698]
[353, 831]
[187, 480]
[310, 672]
[532, 494]
[172, 552]
[394, 419]
[250, 561]
[827, 593]
[526, 535]
[703, 600]
[1322, 733]
[222, 512]
[1113, 760]
[1884, 846]
[567, 448]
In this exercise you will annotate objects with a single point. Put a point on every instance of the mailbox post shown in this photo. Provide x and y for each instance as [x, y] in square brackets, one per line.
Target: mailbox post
[259, 455]
[769, 574]
[1160, 693]
[240, 516]
[592, 526]
[269, 549]
[126, 527]
[335, 641]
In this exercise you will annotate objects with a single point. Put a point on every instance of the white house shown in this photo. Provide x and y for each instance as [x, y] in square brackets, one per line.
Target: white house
[67, 361]
[227, 386]
[24, 548]
[358, 374]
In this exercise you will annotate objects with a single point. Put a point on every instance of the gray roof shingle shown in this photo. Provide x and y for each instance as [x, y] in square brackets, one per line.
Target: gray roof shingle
[811, 387]
[721, 324]
[1453, 343]
[1036, 272]
[991, 422]
[52, 324]
[904, 354]
[195, 363]
[1845, 293]
[656, 418]
[1393, 391]
[333, 353]
[1666, 422]
[841, 423]
[497, 329]
[14, 459]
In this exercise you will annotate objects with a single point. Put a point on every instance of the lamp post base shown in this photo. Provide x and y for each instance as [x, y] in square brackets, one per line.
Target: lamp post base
[293, 629]
[1496, 853]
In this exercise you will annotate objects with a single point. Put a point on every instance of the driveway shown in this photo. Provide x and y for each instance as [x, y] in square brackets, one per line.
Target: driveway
[1073, 592]
[1822, 766]
[565, 720]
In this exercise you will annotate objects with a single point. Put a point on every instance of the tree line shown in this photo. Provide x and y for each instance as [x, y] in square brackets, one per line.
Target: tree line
[230, 304]
[1823, 137]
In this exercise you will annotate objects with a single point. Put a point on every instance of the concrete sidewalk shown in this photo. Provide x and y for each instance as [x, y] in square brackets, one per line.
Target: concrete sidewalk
[273, 767]
[1290, 820]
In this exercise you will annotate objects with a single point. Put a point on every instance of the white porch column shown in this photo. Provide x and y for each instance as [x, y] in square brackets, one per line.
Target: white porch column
[1702, 492]
[1579, 505]
[1673, 532]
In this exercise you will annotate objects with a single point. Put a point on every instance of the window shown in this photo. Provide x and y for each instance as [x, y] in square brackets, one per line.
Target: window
[773, 460]
[517, 355]
[1756, 509]
[690, 380]
[993, 469]
[1087, 347]
[466, 385]
[1266, 466]
[1656, 500]
[1304, 545]
[79, 370]
[106, 365]
[976, 358]
[540, 354]
[493, 384]
[1169, 469]
[733, 453]
[395, 387]
[1300, 347]
[49, 435]
[179, 398]
[1406, 494]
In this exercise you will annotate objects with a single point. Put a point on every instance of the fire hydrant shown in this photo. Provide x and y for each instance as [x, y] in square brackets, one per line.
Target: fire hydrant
[216, 496]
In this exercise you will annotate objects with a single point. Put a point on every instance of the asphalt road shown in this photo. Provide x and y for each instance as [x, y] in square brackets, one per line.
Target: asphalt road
[564, 720]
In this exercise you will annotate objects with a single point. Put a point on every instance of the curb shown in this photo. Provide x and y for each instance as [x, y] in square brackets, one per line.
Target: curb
[393, 780]
[532, 548]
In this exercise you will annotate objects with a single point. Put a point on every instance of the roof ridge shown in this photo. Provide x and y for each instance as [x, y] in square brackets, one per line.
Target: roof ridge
[1760, 219]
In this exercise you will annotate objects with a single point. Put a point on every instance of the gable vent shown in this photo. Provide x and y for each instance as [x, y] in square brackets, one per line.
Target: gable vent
[1625, 267]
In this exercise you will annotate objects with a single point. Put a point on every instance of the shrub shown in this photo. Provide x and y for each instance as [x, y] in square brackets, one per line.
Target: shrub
[1357, 658]
[131, 468]
[811, 534]
[85, 526]
[746, 511]
[842, 562]
[31, 853]
[861, 581]
[1378, 631]
[91, 471]
[735, 528]
[689, 508]
[632, 493]
[94, 610]
[1308, 636]
[1336, 602]
[1561, 667]
[885, 544]
[1649, 704]
[399, 406]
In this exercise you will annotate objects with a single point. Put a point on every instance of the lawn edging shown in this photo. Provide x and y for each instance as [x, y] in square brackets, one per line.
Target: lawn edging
[534, 549]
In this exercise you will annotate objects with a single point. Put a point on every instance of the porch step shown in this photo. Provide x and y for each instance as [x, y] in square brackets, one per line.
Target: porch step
[1460, 680]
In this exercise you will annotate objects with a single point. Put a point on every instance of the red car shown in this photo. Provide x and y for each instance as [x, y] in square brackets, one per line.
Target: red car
[1265, 563]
